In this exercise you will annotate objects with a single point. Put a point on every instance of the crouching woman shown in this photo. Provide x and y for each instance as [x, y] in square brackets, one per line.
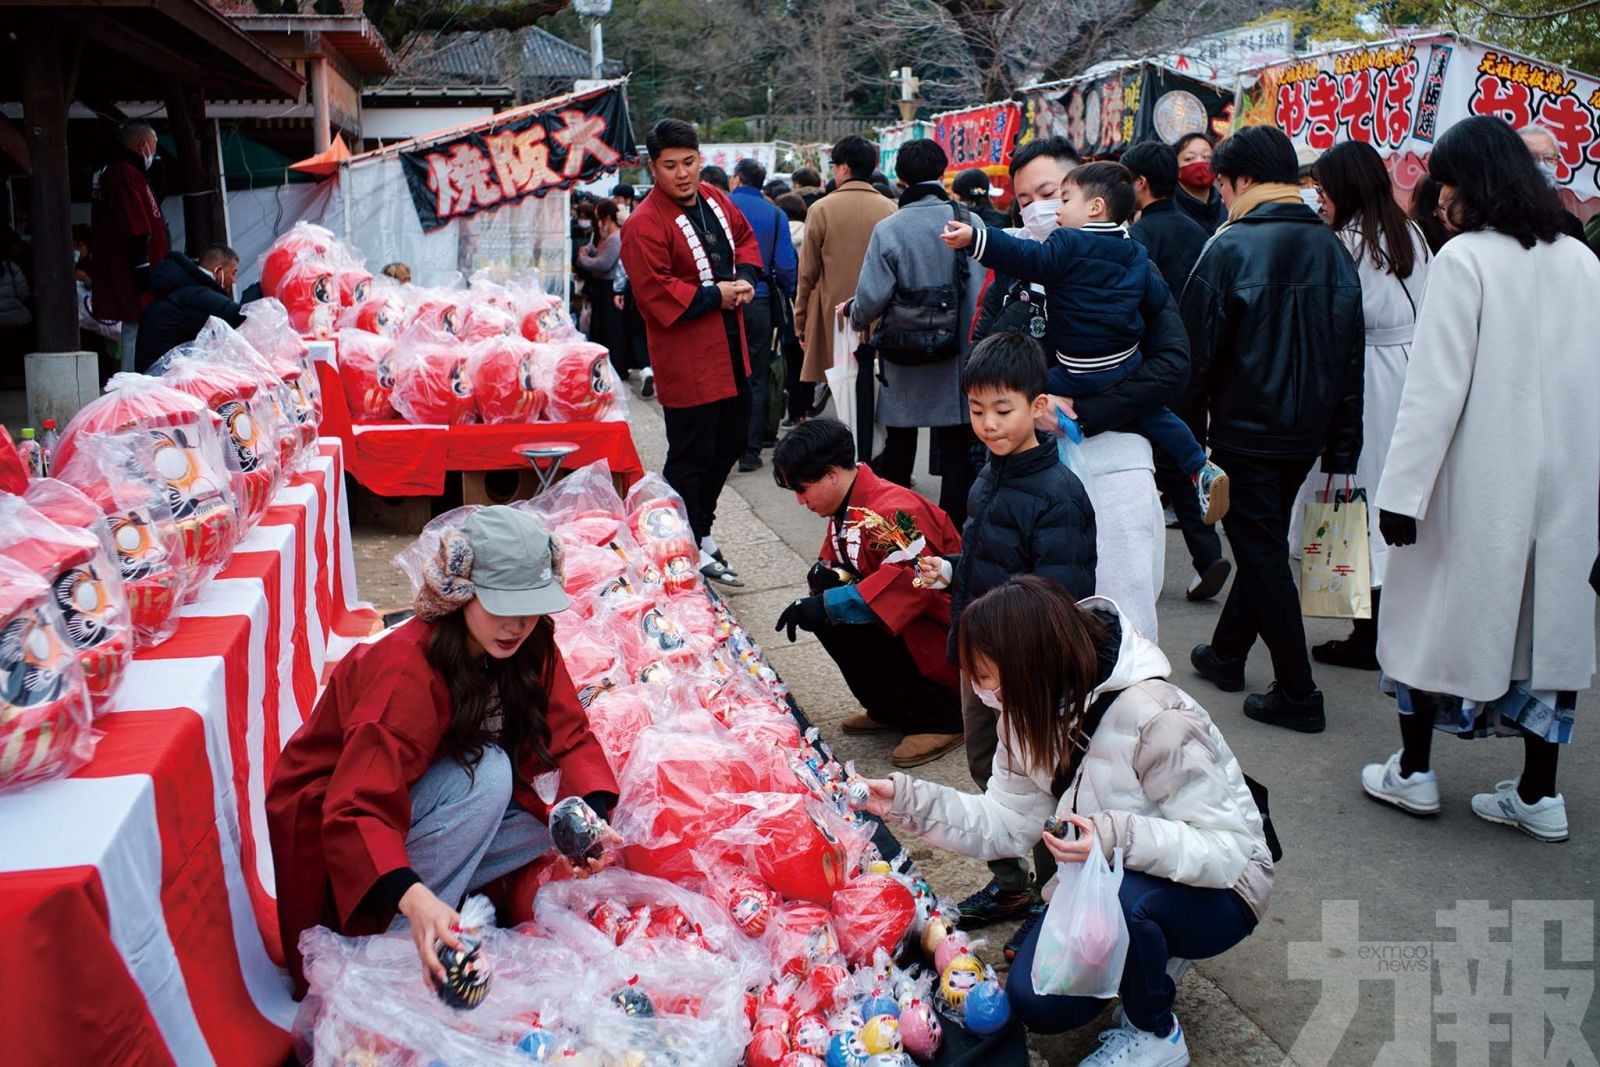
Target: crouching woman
[413, 781]
[1091, 732]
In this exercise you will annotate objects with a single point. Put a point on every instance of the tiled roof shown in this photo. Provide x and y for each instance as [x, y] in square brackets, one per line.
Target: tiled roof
[523, 58]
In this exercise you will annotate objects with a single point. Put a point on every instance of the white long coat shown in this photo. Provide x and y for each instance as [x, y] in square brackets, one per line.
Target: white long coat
[1496, 453]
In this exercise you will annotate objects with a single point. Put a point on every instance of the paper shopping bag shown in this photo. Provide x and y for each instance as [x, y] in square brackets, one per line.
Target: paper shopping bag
[1335, 559]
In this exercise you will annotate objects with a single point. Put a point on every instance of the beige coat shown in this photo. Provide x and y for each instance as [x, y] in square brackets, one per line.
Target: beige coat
[838, 227]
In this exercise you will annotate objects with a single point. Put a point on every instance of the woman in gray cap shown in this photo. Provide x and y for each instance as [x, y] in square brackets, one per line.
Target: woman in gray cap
[412, 782]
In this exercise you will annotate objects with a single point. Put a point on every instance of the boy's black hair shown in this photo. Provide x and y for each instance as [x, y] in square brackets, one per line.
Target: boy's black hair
[1111, 181]
[1006, 362]
[670, 133]
[806, 453]
[1058, 148]
[1157, 164]
[921, 160]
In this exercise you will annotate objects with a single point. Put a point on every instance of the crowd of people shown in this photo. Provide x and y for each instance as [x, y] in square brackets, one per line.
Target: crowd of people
[1277, 326]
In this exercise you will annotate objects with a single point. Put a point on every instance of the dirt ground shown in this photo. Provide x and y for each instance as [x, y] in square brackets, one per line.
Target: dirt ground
[773, 566]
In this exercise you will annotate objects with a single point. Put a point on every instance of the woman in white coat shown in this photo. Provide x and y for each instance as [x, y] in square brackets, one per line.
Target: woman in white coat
[1392, 260]
[1091, 732]
[1488, 495]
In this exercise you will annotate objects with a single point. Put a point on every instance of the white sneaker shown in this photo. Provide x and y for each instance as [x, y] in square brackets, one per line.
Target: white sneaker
[1128, 1046]
[1417, 793]
[1545, 821]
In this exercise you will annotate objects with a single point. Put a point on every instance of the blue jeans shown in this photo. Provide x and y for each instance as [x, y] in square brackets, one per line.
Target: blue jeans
[1165, 920]
[1164, 429]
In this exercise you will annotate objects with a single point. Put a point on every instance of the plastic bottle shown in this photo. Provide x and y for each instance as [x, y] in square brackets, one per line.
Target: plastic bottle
[31, 453]
[47, 446]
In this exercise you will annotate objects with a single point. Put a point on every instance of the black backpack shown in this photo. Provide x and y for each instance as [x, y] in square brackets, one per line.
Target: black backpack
[923, 326]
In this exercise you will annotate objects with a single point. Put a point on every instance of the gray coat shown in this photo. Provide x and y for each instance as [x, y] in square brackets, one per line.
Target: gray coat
[905, 252]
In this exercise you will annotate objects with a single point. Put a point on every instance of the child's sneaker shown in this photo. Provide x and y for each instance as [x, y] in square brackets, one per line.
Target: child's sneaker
[1545, 821]
[1211, 483]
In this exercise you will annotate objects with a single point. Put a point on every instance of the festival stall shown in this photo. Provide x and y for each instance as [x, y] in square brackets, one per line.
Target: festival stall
[1400, 95]
[891, 138]
[1105, 112]
[982, 136]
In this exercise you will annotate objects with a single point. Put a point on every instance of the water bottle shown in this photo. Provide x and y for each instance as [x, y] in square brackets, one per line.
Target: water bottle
[47, 446]
[32, 455]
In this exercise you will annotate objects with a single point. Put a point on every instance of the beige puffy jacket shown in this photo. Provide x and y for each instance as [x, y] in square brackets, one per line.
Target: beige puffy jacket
[1158, 780]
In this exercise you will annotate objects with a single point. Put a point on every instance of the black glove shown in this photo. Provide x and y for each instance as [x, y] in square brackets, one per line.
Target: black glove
[823, 576]
[1397, 530]
[806, 613]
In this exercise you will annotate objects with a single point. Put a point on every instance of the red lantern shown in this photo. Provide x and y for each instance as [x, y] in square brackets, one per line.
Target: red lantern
[582, 386]
[44, 704]
[795, 853]
[366, 369]
[874, 911]
[503, 382]
[310, 293]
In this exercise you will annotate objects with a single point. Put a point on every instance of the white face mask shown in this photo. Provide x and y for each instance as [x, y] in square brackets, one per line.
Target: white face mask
[1548, 169]
[1312, 200]
[149, 158]
[1039, 218]
[990, 697]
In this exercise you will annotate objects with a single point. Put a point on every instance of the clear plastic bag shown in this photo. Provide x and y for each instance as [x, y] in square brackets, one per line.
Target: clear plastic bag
[61, 535]
[504, 384]
[1083, 937]
[873, 913]
[45, 709]
[581, 385]
[201, 478]
[660, 524]
[431, 383]
[309, 291]
[304, 240]
[1069, 446]
[485, 321]
[384, 313]
[116, 473]
[366, 369]
[269, 332]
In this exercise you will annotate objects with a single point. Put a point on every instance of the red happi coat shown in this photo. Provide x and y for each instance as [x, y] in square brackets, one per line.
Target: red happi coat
[339, 803]
[689, 355]
[124, 207]
[920, 617]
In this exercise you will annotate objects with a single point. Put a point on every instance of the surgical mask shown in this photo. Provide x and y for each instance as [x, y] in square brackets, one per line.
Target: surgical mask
[149, 158]
[990, 697]
[584, 224]
[1039, 218]
[1312, 200]
[1197, 174]
[1548, 169]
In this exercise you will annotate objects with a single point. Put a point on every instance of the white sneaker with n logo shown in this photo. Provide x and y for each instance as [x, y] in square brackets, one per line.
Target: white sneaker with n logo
[1128, 1046]
[1546, 820]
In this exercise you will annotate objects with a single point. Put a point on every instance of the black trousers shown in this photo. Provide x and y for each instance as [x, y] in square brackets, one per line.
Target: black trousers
[887, 682]
[703, 444]
[801, 394]
[899, 455]
[758, 335]
[1205, 547]
[1263, 601]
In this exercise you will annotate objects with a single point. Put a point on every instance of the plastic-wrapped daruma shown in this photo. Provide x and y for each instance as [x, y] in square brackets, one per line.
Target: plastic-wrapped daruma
[354, 286]
[582, 384]
[432, 386]
[503, 386]
[377, 314]
[248, 421]
[45, 711]
[305, 240]
[310, 292]
[366, 369]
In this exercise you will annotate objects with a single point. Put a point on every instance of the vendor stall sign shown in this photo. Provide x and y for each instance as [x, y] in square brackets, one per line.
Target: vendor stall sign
[1103, 114]
[1399, 96]
[980, 136]
[512, 156]
[892, 138]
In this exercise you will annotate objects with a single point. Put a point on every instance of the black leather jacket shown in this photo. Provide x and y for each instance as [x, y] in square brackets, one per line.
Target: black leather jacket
[1273, 310]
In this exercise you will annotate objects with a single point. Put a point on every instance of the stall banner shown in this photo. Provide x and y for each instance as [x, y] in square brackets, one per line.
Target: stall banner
[727, 156]
[517, 154]
[892, 138]
[1103, 114]
[981, 136]
[1399, 96]
[1218, 57]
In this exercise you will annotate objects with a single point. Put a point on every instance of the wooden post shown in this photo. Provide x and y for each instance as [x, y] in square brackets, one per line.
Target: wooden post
[321, 106]
[186, 117]
[44, 118]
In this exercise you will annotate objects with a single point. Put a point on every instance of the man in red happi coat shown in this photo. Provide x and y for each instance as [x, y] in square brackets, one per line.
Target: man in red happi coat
[886, 634]
[693, 263]
[128, 234]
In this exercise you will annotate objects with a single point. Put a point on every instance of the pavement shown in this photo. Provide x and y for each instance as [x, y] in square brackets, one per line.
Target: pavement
[1363, 957]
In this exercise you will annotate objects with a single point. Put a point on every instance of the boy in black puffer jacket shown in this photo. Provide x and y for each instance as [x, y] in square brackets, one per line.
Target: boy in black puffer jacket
[1026, 514]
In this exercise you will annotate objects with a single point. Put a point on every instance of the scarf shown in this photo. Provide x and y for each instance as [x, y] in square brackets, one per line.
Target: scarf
[919, 191]
[1258, 194]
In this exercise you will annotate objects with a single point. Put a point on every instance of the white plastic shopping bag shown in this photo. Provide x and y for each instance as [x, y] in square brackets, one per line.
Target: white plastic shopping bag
[1083, 938]
[1069, 447]
[842, 375]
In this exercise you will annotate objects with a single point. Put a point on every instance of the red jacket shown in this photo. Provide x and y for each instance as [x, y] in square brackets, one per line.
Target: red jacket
[920, 617]
[689, 354]
[339, 803]
[124, 208]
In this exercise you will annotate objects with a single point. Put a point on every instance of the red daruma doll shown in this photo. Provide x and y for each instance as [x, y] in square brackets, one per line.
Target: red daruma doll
[502, 372]
[310, 293]
[582, 386]
[354, 286]
[381, 314]
[305, 240]
[366, 369]
[44, 703]
[431, 383]
[186, 453]
[662, 530]
[86, 585]
[248, 422]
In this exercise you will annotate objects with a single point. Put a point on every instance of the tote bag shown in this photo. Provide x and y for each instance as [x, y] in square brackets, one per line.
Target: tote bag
[1335, 560]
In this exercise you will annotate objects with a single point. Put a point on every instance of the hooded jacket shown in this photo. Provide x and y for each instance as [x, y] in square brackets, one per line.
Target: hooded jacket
[1158, 780]
[1026, 514]
[1273, 309]
[185, 296]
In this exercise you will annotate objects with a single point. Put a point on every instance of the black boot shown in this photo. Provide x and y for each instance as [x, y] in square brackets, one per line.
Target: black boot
[1359, 651]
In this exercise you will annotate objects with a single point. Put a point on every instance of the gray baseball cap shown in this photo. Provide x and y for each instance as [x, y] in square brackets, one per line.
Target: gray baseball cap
[512, 566]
